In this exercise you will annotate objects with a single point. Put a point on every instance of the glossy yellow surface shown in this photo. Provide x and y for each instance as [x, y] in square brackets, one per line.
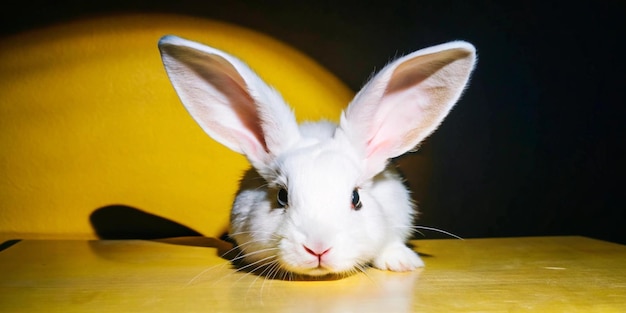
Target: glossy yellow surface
[88, 119]
[540, 274]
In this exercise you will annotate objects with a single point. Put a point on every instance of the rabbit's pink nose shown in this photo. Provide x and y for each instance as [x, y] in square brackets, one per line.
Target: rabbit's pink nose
[316, 252]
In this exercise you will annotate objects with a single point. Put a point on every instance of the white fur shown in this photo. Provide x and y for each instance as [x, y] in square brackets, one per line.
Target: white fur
[320, 164]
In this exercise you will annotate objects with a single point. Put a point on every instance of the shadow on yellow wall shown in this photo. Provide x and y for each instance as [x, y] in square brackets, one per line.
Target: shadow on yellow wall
[88, 120]
[119, 221]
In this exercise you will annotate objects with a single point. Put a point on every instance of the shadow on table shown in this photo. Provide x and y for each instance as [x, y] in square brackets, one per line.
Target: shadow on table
[122, 222]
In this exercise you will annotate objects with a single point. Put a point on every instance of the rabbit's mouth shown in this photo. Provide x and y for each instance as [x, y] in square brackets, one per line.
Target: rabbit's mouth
[321, 266]
[321, 273]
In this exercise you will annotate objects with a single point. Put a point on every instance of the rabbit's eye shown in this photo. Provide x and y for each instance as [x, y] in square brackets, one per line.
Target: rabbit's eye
[282, 197]
[356, 200]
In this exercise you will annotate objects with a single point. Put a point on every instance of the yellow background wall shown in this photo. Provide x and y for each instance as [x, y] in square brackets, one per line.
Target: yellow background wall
[88, 119]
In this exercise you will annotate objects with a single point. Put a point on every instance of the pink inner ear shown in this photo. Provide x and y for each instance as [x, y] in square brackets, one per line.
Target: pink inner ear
[228, 100]
[399, 123]
[221, 74]
[374, 148]
[251, 148]
[418, 95]
[407, 100]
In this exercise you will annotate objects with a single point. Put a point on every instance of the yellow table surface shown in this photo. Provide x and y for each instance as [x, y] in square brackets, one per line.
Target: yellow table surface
[539, 274]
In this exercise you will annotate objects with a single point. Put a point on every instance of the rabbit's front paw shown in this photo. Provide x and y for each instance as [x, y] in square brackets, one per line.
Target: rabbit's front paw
[398, 257]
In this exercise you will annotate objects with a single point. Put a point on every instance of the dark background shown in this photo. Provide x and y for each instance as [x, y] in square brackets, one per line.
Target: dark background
[534, 147]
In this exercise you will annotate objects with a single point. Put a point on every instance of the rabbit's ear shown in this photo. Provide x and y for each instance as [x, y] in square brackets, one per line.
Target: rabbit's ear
[228, 100]
[406, 101]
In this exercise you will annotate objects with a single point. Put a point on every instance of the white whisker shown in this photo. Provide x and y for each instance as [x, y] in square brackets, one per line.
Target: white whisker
[193, 279]
[243, 255]
[436, 230]
[259, 263]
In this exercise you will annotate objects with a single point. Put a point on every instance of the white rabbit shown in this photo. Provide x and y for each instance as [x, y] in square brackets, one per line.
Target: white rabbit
[321, 198]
